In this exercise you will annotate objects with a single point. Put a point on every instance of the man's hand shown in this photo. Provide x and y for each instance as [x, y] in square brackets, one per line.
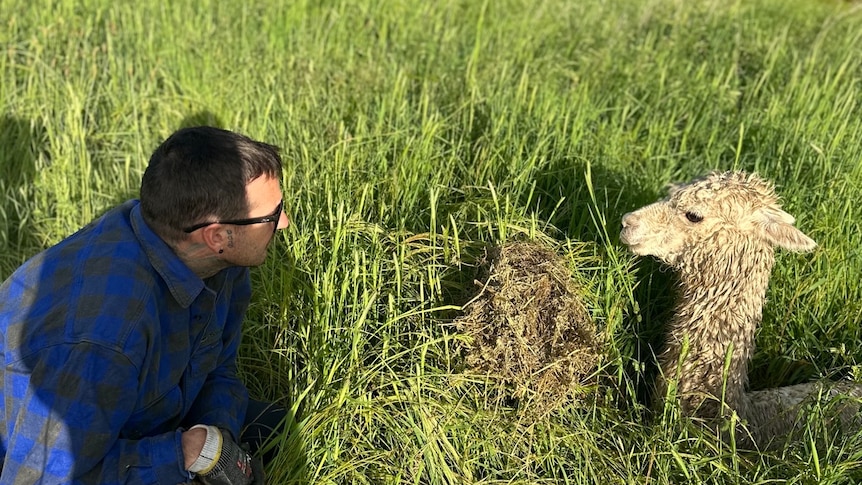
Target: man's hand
[193, 442]
[223, 462]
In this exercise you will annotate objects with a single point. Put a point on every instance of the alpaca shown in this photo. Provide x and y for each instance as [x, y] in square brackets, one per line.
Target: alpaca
[718, 234]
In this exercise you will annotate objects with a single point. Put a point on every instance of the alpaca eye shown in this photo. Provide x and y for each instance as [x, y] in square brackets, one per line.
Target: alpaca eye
[693, 217]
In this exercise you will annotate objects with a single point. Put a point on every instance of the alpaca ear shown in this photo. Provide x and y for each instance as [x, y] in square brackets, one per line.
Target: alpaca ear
[778, 229]
[673, 188]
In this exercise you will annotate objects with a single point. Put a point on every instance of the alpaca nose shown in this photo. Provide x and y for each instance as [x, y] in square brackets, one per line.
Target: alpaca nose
[628, 220]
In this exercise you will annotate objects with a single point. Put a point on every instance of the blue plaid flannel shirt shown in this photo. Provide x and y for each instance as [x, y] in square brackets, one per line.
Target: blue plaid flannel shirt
[111, 346]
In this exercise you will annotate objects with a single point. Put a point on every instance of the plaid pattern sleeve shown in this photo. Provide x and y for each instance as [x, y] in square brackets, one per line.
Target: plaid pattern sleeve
[66, 427]
[109, 345]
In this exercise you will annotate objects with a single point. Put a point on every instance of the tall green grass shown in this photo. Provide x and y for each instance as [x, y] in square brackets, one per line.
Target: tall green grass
[416, 134]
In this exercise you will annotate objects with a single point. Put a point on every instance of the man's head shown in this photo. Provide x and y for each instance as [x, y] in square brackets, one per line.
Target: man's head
[217, 187]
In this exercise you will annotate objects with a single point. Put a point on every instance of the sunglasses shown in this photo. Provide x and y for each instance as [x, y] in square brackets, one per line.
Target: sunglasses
[274, 217]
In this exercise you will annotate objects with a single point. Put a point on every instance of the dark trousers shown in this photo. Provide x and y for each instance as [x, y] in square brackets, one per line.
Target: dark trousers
[264, 421]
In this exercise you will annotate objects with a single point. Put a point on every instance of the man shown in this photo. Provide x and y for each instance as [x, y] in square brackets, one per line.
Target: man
[119, 343]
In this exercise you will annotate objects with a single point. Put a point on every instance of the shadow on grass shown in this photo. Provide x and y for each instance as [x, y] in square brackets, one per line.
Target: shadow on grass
[275, 358]
[609, 195]
[202, 118]
[292, 459]
[21, 144]
[563, 198]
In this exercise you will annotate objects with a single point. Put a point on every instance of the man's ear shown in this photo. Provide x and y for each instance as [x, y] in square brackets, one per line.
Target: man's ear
[213, 236]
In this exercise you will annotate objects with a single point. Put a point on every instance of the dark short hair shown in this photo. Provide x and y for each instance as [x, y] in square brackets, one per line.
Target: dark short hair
[201, 172]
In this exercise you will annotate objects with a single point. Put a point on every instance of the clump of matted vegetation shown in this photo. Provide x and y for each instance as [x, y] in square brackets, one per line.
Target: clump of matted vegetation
[530, 326]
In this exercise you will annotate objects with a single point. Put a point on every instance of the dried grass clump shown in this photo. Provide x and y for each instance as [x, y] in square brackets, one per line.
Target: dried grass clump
[530, 326]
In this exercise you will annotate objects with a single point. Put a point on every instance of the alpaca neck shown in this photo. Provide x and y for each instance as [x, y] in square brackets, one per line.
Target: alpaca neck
[718, 308]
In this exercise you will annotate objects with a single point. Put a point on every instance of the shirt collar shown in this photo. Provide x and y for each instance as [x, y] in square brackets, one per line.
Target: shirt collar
[183, 283]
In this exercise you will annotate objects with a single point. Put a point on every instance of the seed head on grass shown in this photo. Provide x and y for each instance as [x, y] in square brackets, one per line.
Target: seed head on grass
[530, 327]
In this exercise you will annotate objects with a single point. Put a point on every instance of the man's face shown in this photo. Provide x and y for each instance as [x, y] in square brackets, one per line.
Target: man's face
[247, 245]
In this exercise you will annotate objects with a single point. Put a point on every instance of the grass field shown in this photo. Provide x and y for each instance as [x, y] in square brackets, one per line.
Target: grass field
[415, 135]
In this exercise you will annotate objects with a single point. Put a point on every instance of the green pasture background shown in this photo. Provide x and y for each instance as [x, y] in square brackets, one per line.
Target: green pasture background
[415, 135]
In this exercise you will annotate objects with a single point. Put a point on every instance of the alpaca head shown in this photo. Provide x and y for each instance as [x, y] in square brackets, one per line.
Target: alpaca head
[712, 218]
